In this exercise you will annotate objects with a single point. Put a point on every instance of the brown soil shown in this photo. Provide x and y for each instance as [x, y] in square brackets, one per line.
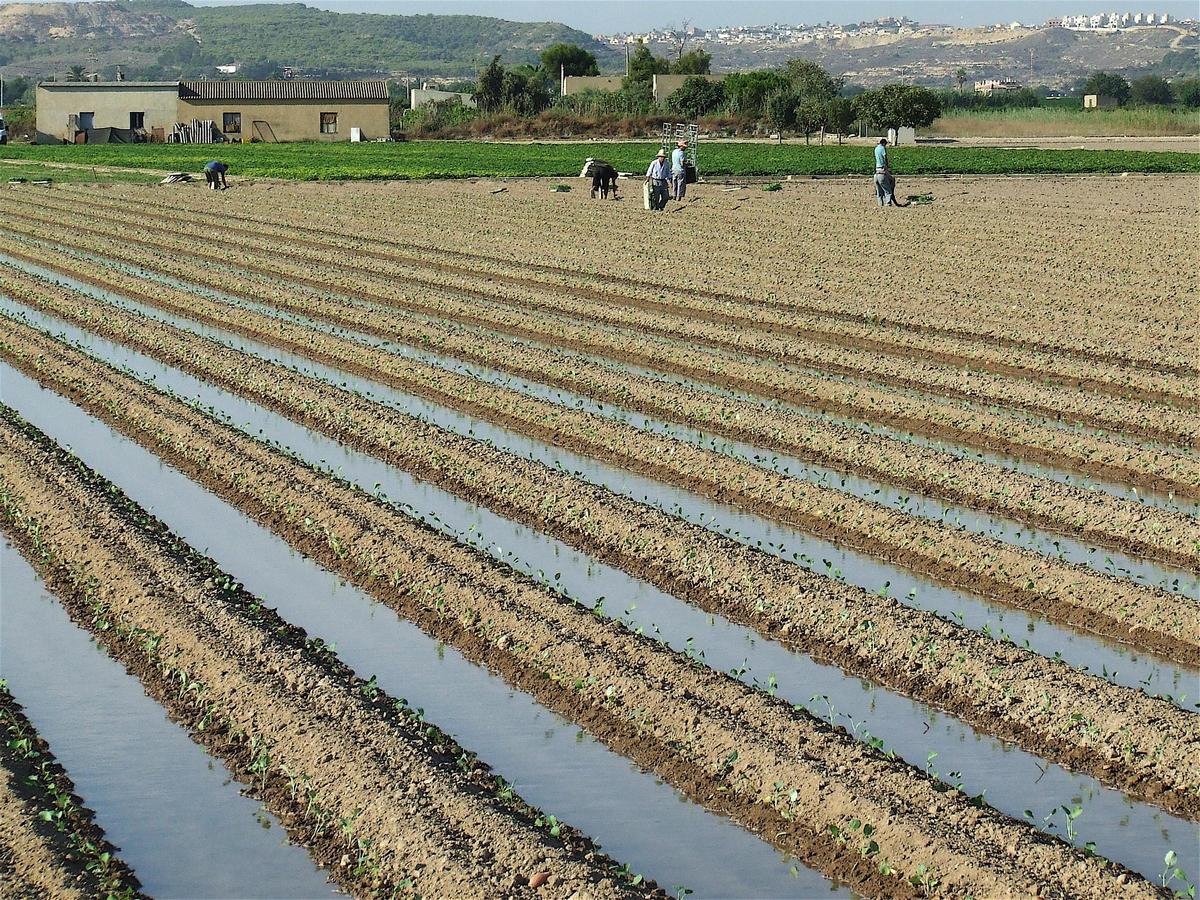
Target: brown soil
[759, 333]
[328, 753]
[776, 769]
[1016, 278]
[1007, 261]
[1085, 515]
[1146, 747]
[1114, 608]
[70, 858]
[1156, 468]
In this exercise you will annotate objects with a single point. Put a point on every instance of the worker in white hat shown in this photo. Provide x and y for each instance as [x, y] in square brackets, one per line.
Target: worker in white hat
[658, 175]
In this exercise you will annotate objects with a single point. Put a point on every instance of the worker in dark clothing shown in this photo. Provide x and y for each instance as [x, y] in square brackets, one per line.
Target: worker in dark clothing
[214, 175]
[604, 179]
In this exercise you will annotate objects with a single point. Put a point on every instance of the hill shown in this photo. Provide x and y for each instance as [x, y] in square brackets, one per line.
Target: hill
[171, 38]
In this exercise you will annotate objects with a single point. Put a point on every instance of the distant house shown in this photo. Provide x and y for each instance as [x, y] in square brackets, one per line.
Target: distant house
[230, 69]
[993, 86]
[294, 110]
[1099, 101]
[423, 96]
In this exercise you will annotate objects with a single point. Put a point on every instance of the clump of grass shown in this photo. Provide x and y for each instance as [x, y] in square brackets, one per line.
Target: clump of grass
[773, 186]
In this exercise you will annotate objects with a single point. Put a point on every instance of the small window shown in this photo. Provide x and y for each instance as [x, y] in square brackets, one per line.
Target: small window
[137, 120]
[231, 123]
[328, 123]
[87, 121]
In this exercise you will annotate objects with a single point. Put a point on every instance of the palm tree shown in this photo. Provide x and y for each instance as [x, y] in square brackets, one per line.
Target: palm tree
[75, 73]
[961, 77]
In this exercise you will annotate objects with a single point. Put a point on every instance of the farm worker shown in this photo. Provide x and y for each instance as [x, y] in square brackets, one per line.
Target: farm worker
[679, 170]
[214, 174]
[658, 176]
[885, 184]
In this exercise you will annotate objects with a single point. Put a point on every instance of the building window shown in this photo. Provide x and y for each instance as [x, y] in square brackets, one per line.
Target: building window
[87, 121]
[231, 123]
[137, 120]
[328, 123]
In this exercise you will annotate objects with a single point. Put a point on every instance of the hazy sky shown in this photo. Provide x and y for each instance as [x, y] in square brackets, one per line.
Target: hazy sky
[606, 16]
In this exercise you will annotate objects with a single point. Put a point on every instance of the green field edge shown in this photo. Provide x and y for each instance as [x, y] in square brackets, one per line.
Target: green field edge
[471, 159]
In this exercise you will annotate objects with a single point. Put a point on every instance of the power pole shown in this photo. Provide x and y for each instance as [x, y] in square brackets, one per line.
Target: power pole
[1030, 67]
[626, 57]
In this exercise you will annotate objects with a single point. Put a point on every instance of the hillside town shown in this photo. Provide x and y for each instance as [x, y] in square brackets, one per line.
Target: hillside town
[801, 33]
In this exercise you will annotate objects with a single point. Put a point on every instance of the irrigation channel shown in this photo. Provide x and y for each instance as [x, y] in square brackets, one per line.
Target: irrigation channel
[1134, 833]
[1058, 546]
[1116, 663]
[1165, 501]
[636, 817]
[178, 818]
[1063, 476]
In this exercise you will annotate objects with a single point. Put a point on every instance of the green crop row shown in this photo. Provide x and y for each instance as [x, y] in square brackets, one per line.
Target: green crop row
[464, 159]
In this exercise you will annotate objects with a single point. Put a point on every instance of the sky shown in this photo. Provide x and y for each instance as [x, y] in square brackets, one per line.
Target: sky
[609, 16]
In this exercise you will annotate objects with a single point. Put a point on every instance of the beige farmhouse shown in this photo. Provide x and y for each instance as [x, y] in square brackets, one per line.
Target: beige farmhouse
[289, 110]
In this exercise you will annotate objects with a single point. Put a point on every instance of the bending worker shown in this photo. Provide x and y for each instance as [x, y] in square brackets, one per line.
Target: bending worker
[214, 175]
[658, 175]
[679, 170]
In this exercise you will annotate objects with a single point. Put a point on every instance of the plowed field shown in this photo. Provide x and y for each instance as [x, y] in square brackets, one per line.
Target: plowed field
[873, 537]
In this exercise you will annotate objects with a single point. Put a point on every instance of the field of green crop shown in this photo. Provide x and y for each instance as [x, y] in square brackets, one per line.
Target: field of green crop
[462, 159]
[36, 171]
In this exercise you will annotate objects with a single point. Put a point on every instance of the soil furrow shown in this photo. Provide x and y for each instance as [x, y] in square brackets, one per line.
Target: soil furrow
[1154, 469]
[744, 752]
[1094, 517]
[746, 314]
[1114, 414]
[1115, 734]
[50, 844]
[375, 792]
[456, 245]
[1150, 618]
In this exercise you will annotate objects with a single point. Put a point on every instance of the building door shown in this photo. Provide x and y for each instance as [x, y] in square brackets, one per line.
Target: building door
[137, 120]
[87, 121]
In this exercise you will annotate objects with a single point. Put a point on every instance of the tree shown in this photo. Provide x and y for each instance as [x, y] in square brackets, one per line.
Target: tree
[961, 77]
[698, 97]
[1108, 84]
[895, 105]
[75, 73]
[746, 93]
[1151, 89]
[780, 110]
[525, 90]
[811, 113]
[644, 65]
[1187, 92]
[840, 116]
[811, 81]
[679, 38]
[697, 62]
[489, 92]
[568, 59]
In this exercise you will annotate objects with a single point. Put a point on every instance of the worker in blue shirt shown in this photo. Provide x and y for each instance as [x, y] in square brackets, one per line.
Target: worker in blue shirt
[679, 170]
[658, 175]
[214, 175]
[885, 184]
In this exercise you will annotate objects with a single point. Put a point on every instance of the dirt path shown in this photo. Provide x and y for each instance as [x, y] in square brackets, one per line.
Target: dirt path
[70, 858]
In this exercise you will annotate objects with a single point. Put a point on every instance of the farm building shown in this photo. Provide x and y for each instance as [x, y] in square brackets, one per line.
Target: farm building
[290, 110]
[66, 108]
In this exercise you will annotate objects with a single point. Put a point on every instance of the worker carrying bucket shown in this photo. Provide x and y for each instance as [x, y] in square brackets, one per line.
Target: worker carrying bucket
[604, 178]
